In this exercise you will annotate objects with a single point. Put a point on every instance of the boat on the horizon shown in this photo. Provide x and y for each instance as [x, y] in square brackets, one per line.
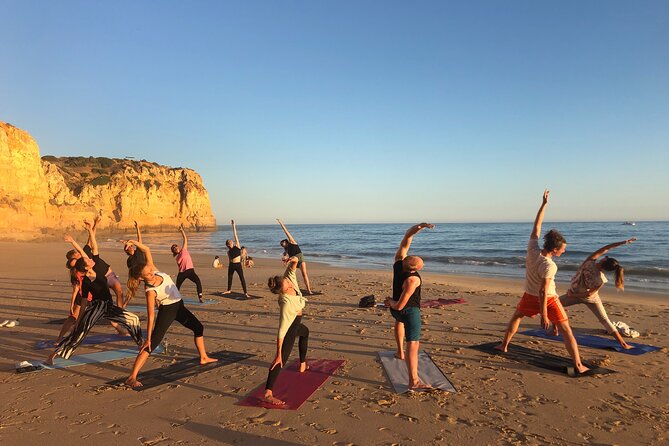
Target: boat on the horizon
[629, 223]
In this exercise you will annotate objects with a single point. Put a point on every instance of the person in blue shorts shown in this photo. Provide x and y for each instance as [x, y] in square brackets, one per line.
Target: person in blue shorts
[405, 305]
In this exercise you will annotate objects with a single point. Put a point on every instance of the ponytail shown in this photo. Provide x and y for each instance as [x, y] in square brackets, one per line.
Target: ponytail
[620, 277]
[611, 264]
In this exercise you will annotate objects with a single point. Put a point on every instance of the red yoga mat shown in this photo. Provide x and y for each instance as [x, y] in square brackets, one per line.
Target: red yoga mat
[293, 387]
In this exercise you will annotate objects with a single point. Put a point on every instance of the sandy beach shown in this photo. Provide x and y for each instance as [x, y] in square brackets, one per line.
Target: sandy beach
[498, 401]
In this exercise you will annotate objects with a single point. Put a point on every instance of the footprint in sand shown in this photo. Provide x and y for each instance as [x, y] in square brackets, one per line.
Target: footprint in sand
[137, 404]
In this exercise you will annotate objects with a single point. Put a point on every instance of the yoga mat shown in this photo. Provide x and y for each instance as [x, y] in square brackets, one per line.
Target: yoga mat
[538, 358]
[88, 358]
[189, 303]
[88, 340]
[293, 387]
[441, 302]
[428, 372]
[183, 369]
[237, 296]
[586, 340]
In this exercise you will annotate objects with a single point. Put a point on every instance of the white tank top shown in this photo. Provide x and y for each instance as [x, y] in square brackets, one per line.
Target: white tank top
[167, 292]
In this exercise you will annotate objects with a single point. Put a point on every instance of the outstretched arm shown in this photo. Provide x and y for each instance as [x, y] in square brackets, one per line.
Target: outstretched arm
[139, 234]
[184, 245]
[145, 250]
[234, 231]
[408, 238]
[92, 241]
[536, 230]
[68, 238]
[290, 237]
[96, 220]
[604, 249]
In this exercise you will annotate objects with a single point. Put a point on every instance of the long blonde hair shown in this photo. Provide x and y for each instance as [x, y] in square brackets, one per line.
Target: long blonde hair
[134, 278]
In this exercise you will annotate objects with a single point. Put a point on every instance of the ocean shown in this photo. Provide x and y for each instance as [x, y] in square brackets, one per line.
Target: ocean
[486, 249]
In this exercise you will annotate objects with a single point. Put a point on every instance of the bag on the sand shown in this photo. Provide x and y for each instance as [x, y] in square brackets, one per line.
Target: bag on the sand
[367, 301]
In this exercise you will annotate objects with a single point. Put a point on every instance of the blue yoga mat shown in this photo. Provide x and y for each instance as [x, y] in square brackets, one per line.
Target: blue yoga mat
[595, 342]
[88, 358]
[187, 302]
[89, 340]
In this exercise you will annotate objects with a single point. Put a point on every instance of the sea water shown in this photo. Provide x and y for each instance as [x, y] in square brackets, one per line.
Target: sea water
[486, 249]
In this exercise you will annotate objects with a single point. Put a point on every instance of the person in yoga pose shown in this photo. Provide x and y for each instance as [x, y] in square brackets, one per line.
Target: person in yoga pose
[292, 249]
[161, 291]
[135, 256]
[405, 305]
[235, 261]
[587, 282]
[101, 305]
[185, 263]
[112, 281]
[73, 255]
[540, 293]
[291, 304]
[75, 305]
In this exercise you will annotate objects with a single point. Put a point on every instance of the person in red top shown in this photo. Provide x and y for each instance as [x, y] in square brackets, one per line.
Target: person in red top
[185, 264]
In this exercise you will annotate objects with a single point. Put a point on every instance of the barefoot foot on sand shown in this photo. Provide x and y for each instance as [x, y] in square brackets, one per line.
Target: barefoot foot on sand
[131, 382]
[501, 348]
[226, 292]
[420, 386]
[304, 367]
[399, 356]
[273, 400]
[207, 360]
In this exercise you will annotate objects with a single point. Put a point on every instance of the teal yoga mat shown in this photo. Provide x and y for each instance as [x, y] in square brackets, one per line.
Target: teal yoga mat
[88, 358]
[91, 339]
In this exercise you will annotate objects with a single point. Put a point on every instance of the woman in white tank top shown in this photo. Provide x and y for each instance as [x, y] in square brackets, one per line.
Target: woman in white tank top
[160, 290]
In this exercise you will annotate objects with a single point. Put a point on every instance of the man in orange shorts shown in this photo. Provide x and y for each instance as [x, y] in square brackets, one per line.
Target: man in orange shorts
[540, 295]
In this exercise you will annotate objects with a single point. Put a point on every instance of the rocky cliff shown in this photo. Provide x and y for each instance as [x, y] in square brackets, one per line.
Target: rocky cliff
[49, 195]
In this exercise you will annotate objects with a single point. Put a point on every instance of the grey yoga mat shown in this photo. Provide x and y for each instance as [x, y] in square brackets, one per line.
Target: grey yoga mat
[428, 372]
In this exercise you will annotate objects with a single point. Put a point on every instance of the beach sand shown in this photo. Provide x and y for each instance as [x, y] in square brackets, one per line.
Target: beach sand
[498, 401]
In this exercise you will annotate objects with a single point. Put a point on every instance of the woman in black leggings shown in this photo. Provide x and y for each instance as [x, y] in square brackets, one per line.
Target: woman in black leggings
[160, 290]
[291, 303]
[235, 261]
[185, 264]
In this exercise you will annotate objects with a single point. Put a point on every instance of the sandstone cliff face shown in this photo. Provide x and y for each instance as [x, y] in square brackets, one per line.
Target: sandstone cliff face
[54, 194]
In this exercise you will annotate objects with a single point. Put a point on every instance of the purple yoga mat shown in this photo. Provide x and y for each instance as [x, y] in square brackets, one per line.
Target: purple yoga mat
[293, 387]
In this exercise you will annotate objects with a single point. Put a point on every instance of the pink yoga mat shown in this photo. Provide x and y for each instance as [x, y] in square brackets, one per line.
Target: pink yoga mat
[294, 387]
[441, 302]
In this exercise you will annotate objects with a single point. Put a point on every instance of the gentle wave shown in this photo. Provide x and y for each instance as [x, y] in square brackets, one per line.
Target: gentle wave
[496, 249]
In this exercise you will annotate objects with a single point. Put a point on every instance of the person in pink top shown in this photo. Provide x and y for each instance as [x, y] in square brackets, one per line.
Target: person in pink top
[185, 264]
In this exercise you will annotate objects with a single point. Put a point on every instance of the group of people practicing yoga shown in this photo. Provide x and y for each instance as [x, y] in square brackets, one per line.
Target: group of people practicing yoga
[92, 279]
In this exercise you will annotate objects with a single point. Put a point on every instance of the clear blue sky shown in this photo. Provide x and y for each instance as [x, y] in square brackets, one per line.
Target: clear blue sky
[359, 111]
